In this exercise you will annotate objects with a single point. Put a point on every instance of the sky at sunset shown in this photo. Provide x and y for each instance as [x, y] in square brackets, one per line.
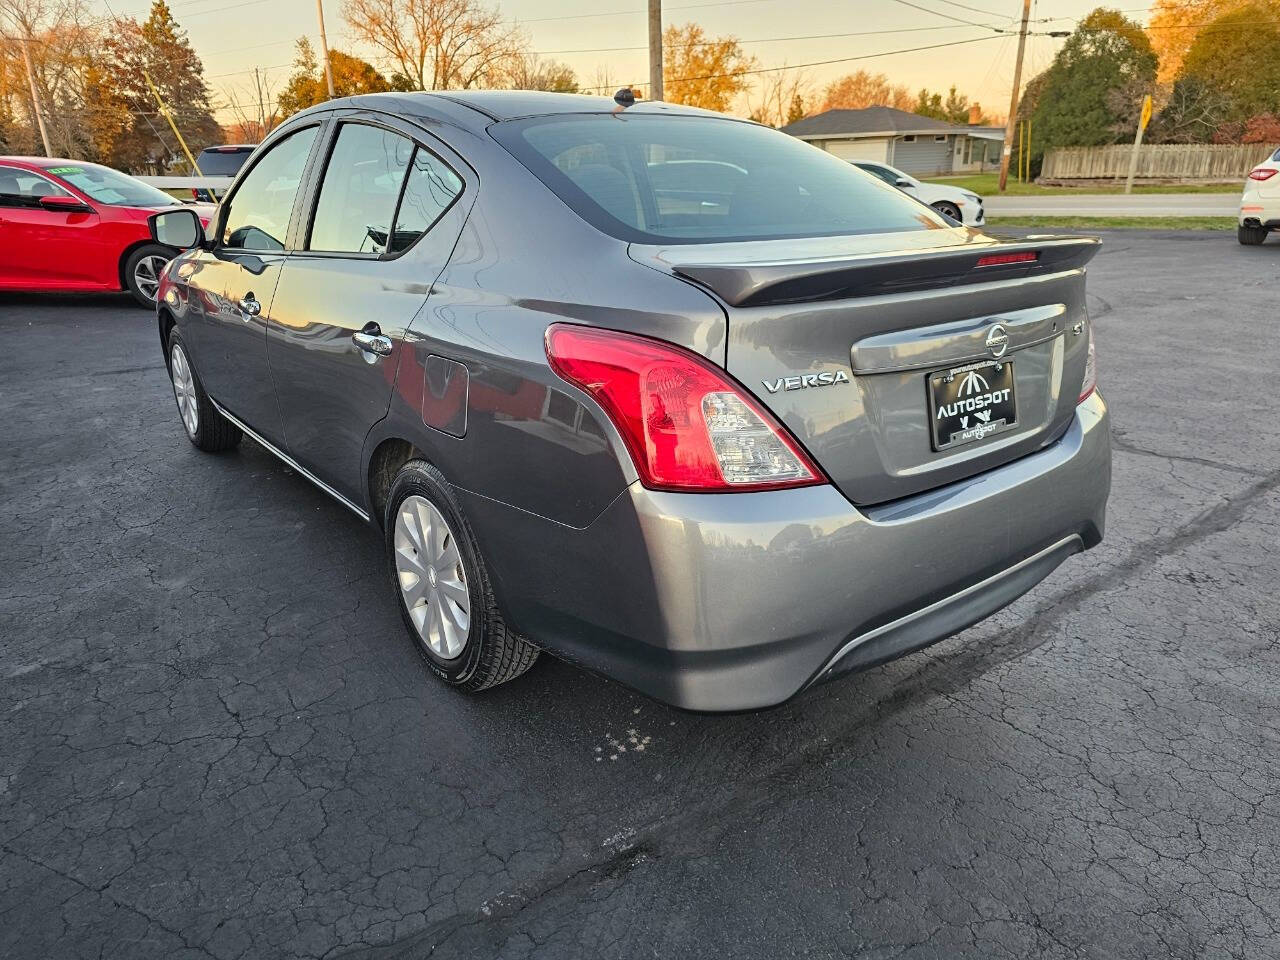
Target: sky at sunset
[232, 36]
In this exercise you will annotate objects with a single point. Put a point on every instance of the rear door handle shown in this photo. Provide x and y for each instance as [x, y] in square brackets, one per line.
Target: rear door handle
[249, 305]
[371, 340]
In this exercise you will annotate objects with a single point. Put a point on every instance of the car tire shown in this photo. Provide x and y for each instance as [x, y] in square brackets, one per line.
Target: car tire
[205, 427]
[436, 569]
[949, 210]
[142, 272]
[1251, 236]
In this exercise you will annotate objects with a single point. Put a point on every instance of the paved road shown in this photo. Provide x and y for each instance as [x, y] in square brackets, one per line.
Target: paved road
[1117, 205]
[215, 740]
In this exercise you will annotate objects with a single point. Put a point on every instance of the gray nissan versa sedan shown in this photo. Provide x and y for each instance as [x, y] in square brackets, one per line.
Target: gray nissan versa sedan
[671, 395]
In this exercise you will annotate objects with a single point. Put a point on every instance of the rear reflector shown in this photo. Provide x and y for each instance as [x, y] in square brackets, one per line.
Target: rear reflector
[1000, 259]
[1090, 383]
[1262, 174]
[687, 424]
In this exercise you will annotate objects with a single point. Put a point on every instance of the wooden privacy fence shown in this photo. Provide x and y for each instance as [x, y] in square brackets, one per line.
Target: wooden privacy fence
[1164, 161]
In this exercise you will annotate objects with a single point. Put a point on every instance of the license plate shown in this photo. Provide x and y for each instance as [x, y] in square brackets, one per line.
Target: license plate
[971, 402]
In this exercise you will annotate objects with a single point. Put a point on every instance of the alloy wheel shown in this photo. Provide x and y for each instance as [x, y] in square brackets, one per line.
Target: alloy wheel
[433, 583]
[184, 389]
[146, 275]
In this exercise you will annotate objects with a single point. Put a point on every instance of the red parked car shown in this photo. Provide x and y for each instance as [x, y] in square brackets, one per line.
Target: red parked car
[79, 227]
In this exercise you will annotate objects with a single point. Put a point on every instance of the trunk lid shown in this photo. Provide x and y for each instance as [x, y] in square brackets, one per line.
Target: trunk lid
[841, 337]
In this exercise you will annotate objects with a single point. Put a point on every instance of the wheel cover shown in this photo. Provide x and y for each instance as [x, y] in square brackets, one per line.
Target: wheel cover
[146, 275]
[433, 583]
[184, 389]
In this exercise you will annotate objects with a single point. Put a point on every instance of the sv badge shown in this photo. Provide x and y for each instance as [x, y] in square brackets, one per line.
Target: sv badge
[825, 379]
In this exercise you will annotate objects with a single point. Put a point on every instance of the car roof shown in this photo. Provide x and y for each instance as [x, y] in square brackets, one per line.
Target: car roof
[43, 163]
[477, 109]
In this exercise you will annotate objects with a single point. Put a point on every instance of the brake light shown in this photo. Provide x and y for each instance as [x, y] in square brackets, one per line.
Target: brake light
[1000, 259]
[686, 423]
[1262, 173]
[1090, 383]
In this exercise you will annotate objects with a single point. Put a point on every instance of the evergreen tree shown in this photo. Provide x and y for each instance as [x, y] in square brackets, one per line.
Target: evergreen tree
[158, 47]
[1074, 102]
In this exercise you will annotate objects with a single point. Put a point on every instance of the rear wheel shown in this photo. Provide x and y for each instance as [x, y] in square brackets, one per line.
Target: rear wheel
[205, 426]
[948, 209]
[443, 588]
[142, 271]
[1251, 236]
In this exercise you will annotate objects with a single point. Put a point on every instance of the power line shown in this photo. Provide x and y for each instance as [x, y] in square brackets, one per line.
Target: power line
[704, 43]
[952, 3]
[947, 16]
[620, 13]
[820, 63]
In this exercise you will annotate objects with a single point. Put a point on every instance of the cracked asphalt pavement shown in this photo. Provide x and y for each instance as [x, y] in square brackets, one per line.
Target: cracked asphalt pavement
[217, 742]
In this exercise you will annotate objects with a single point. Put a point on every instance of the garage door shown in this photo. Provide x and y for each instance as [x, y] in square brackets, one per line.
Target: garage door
[875, 150]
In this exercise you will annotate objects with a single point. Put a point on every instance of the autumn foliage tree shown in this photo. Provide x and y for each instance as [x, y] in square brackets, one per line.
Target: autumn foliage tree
[158, 48]
[307, 86]
[702, 72]
[437, 44]
[860, 89]
[1175, 24]
[1238, 56]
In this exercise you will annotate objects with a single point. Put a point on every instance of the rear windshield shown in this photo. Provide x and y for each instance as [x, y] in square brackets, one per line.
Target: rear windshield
[222, 163]
[660, 179]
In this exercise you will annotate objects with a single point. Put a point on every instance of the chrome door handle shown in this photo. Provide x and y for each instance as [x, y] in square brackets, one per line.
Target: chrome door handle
[249, 305]
[371, 340]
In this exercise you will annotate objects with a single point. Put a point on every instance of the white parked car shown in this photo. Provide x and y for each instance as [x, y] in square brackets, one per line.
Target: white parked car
[1260, 205]
[960, 205]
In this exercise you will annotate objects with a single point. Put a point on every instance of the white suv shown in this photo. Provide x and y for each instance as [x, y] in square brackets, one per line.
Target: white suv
[1260, 205]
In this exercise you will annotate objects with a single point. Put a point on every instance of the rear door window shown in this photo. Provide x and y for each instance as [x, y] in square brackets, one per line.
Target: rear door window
[428, 193]
[259, 212]
[22, 188]
[360, 190]
[651, 178]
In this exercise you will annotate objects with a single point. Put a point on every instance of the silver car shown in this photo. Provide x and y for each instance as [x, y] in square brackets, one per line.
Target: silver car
[667, 394]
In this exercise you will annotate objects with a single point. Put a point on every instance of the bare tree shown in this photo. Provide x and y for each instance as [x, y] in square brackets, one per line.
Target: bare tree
[437, 44]
[29, 19]
[780, 97]
[528, 71]
[257, 113]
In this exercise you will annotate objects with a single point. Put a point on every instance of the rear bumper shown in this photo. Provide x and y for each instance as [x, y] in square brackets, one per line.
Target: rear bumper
[1258, 211]
[740, 601]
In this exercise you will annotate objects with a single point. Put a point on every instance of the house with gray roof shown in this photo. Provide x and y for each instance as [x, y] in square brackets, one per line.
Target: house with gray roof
[917, 145]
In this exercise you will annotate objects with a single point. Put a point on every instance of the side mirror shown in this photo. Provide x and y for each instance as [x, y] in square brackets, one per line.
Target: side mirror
[65, 204]
[180, 229]
[903, 184]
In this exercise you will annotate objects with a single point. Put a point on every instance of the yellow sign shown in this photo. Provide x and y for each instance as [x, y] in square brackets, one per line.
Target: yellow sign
[1146, 112]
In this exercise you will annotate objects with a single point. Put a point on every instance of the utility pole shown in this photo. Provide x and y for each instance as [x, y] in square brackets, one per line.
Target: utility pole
[1011, 125]
[324, 48]
[35, 96]
[168, 115]
[655, 49]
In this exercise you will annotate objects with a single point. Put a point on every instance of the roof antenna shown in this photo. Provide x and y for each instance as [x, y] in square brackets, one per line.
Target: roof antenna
[625, 97]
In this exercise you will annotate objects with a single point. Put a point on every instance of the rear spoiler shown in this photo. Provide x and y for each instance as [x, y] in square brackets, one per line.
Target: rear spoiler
[759, 284]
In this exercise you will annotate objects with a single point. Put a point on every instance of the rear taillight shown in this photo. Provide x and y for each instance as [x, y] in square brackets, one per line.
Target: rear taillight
[1090, 383]
[686, 423]
[1262, 173]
